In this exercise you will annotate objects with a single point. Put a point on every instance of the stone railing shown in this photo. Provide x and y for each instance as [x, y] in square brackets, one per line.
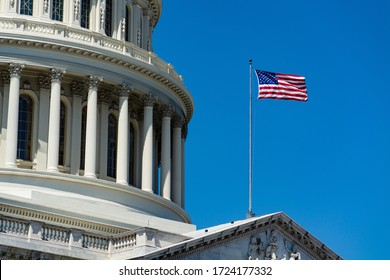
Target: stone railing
[55, 234]
[79, 36]
[79, 244]
[14, 226]
[123, 242]
[96, 242]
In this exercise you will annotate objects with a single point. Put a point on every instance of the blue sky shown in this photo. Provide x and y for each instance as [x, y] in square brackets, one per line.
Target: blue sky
[326, 162]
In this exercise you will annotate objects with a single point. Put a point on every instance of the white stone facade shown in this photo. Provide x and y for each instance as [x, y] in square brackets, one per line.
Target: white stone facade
[83, 114]
[92, 143]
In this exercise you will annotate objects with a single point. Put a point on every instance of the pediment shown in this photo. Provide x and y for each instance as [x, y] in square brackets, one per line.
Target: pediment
[269, 237]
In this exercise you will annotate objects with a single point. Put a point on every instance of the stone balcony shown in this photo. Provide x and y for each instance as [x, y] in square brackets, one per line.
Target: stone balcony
[31, 237]
[80, 42]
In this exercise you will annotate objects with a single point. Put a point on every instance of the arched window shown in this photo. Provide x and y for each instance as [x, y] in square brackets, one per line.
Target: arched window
[24, 128]
[84, 13]
[140, 32]
[127, 29]
[108, 18]
[83, 136]
[61, 152]
[132, 156]
[112, 143]
[26, 7]
[57, 10]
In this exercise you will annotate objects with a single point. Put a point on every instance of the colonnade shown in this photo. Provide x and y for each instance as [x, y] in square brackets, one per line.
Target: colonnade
[128, 20]
[172, 141]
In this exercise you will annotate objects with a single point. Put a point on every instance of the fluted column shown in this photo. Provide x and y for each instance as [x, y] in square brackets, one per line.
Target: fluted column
[3, 132]
[176, 161]
[91, 130]
[165, 181]
[183, 186]
[54, 120]
[147, 151]
[122, 158]
[43, 127]
[15, 70]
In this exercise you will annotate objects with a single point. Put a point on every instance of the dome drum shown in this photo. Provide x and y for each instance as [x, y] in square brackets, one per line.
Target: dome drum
[84, 106]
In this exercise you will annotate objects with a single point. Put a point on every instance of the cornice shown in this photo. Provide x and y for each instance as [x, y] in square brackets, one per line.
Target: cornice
[279, 221]
[20, 212]
[127, 62]
[156, 6]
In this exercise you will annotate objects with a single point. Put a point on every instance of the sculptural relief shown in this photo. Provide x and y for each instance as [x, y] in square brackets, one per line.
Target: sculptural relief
[270, 253]
[255, 249]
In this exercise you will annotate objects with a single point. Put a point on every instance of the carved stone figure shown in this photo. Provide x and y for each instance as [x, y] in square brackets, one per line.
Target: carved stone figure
[295, 256]
[270, 253]
[255, 248]
[292, 252]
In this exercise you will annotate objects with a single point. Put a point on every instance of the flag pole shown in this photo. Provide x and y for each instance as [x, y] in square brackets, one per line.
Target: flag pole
[250, 213]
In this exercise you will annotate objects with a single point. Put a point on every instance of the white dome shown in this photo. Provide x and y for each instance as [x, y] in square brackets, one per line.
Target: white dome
[93, 123]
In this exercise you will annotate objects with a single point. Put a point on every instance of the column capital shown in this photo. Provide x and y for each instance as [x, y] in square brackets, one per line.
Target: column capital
[44, 82]
[94, 81]
[124, 90]
[15, 69]
[167, 111]
[56, 74]
[149, 100]
[178, 121]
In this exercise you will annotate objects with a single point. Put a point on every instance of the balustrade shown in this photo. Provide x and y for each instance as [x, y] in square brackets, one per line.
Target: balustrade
[55, 234]
[35, 231]
[13, 226]
[48, 30]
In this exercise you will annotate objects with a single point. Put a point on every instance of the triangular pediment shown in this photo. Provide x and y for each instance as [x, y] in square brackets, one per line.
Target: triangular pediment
[269, 237]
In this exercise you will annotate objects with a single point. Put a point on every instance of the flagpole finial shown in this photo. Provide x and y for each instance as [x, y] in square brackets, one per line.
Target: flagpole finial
[250, 61]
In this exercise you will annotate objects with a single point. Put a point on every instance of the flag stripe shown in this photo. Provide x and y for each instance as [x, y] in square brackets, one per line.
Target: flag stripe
[282, 97]
[281, 86]
[282, 93]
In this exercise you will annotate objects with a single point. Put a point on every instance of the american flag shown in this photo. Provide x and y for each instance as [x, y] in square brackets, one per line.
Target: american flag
[281, 86]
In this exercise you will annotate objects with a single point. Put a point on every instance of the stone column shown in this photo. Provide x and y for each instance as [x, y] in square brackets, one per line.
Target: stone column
[3, 132]
[77, 89]
[91, 130]
[54, 120]
[183, 186]
[165, 181]
[1, 117]
[176, 161]
[147, 151]
[43, 127]
[122, 157]
[15, 70]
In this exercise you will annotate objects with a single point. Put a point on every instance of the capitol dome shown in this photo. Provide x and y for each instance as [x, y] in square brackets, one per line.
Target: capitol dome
[93, 122]
[93, 127]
